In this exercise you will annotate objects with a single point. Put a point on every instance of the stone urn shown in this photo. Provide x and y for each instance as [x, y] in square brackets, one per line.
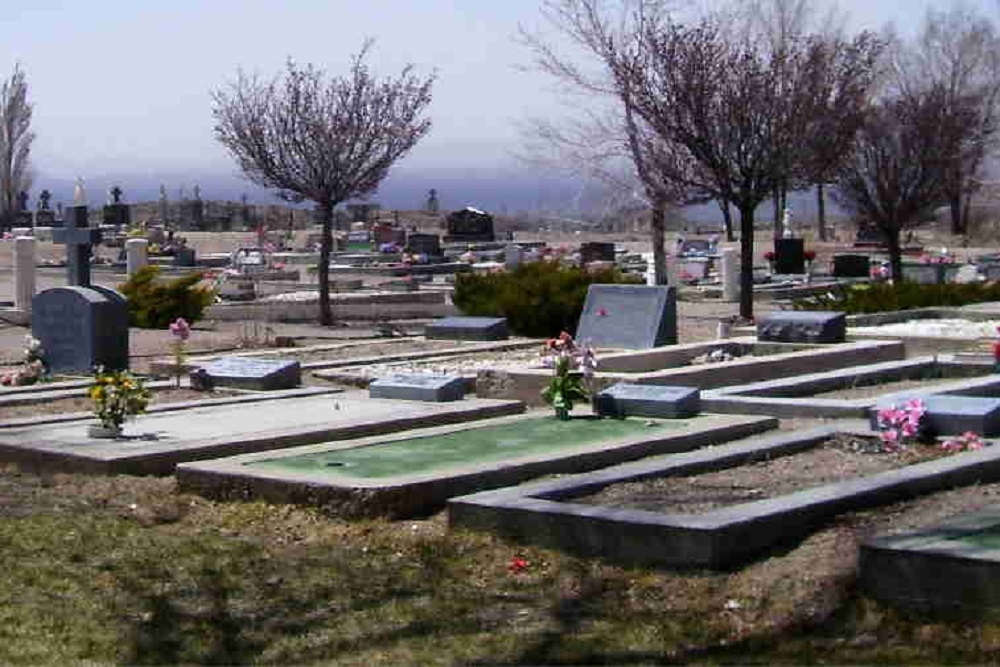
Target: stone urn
[104, 432]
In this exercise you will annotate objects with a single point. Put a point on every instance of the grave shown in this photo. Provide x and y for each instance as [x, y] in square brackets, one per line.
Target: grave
[628, 316]
[468, 328]
[789, 256]
[413, 475]
[24, 272]
[923, 274]
[851, 266]
[694, 247]
[951, 569]
[116, 212]
[595, 251]
[154, 443]
[44, 216]
[419, 387]
[730, 273]
[470, 225]
[424, 244]
[136, 255]
[949, 414]
[638, 400]
[545, 513]
[184, 256]
[253, 373]
[803, 326]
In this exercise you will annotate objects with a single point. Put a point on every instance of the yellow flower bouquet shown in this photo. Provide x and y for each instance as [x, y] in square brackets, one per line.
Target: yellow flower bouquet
[117, 395]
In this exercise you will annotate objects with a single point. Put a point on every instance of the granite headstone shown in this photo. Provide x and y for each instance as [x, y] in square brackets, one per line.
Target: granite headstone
[950, 415]
[424, 244]
[596, 251]
[631, 317]
[252, 373]
[851, 266]
[789, 256]
[81, 328]
[647, 400]
[802, 326]
[469, 226]
[468, 328]
[418, 387]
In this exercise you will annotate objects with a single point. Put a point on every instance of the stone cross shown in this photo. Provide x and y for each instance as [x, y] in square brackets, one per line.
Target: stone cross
[79, 238]
[43, 200]
[116, 194]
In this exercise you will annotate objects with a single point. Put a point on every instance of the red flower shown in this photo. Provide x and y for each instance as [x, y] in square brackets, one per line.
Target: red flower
[996, 350]
[769, 255]
[601, 312]
[809, 255]
[517, 565]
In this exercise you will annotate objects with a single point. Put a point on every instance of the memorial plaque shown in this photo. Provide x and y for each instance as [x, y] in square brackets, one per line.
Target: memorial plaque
[789, 256]
[418, 387]
[924, 274]
[851, 266]
[595, 251]
[695, 247]
[256, 374]
[469, 226]
[81, 328]
[184, 257]
[424, 244]
[803, 326]
[631, 317]
[647, 400]
[950, 415]
[468, 328]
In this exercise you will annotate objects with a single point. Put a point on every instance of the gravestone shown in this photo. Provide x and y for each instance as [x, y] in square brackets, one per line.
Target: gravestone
[647, 400]
[388, 234]
[991, 272]
[789, 256]
[629, 317]
[136, 255]
[468, 328]
[44, 216]
[965, 274]
[693, 268]
[116, 212]
[851, 266]
[950, 415]
[802, 326]
[24, 272]
[730, 273]
[24, 218]
[184, 256]
[924, 274]
[513, 255]
[595, 251]
[81, 328]
[255, 374]
[695, 247]
[424, 244]
[418, 387]
[470, 225]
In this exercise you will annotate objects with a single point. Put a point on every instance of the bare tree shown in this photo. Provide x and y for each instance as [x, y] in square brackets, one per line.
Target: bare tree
[896, 173]
[15, 142]
[319, 139]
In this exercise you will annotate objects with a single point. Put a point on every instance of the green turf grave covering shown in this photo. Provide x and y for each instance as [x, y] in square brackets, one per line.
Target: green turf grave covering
[470, 446]
[987, 539]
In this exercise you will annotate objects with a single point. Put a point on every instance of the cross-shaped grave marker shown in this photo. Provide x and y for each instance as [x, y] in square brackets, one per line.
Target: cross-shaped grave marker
[79, 239]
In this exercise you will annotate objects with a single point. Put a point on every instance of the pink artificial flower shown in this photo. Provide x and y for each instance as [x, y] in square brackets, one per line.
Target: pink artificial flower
[889, 436]
[908, 429]
[180, 328]
[518, 565]
[601, 312]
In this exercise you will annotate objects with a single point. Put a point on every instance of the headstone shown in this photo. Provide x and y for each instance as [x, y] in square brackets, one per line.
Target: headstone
[789, 256]
[424, 244]
[965, 274]
[992, 272]
[44, 216]
[950, 415]
[869, 235]
[255, 374]
[670, 262]
[694, 247]
[595, 251]
[117, 212]
[628, 316]
[730, 274]
[388, 234]
[647, 400]
[81, 328]
[470, 225]
[432, 205]
[513, 256]
[79, 239]
[24, 272]
[418, 387]
[468, 328]
[136, 255]
[693, 268]
[851, 266]
[802, 326]
[184, 256]
[163, 205]
[923, 274]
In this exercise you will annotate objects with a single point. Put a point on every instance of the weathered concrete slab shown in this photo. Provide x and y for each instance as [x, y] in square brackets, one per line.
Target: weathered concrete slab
[154, 443]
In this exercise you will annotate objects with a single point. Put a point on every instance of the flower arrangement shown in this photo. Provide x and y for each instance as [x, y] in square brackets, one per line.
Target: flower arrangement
[880, 272]
[769, 255]
[966, 442]
[809, 255]
[563, 355]
[32, 370]
[899, 426]
[181, 331]
[117, 395]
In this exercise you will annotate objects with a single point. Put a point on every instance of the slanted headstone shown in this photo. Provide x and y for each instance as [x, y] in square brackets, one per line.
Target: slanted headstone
[851, 266]
[629, 317]
[470, 225]
[255, 374]
[966, 274]
[950, 415]
[81, 328]
[24, 272]
[730, 273]
[468, 328]
[136, 255]
[789, 256]
[418, 387]
[923, 274]
[596, 251]
[647, 400]
[424, 244]
[802, 326]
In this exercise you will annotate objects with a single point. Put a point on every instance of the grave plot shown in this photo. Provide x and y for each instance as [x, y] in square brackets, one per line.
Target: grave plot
[851, 391]
[952, 569]
[413, 475]
[694, 517]
[155, 442]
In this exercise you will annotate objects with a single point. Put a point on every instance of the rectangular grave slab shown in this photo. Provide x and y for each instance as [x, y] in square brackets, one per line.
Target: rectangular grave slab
[647, 400]
[789, 256]
[468, 328]
[419, 387]
[628, 317]
[951, 415]
[851, 266]
[802, 326]
[256, 374]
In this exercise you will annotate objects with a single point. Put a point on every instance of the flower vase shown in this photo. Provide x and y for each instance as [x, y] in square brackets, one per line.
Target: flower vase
[562, 414]
[105, 432]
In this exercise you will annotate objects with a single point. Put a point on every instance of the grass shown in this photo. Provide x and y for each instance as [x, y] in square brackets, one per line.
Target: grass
[125, 570]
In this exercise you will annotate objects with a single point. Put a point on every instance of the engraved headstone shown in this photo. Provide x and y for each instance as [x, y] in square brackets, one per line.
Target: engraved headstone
[80, 328]
[730, 274]
[44, 216]
[647, 400]
[802, 326]
[789, 256]
[851, 266]
[924, 274]
[418, 387]
[470, 225]
[117, 212]
[424, 244]
[468, 328]
[255, 374]
[595, 251]
[631, 317]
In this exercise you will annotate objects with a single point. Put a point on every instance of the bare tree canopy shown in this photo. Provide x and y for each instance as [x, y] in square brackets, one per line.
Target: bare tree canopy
[323, 139]
[15, 142]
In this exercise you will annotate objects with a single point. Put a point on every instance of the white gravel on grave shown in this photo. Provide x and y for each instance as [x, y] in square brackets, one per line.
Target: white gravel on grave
[948, 328]
[465, 365]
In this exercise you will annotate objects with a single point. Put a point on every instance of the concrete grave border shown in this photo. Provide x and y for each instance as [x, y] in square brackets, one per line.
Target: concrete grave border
[543, 513]
[419, 494]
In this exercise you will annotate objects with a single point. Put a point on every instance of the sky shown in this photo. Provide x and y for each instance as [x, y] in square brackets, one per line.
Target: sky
[123, 86]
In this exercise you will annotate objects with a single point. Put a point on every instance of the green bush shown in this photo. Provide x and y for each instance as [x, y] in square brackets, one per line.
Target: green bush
[885, 297]
[154, 304]
[539, 299]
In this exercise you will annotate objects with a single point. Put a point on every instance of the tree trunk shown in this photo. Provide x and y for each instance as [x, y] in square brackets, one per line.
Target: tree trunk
[746, 262]
[820, 212]
[658, 221]
[895, 253]
[727, 219]
[325, 248]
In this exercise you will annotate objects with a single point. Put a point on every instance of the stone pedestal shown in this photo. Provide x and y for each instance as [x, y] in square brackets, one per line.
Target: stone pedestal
[24, 272]
[671, 266]
[136, 255]
[729, 270]
[513, 255]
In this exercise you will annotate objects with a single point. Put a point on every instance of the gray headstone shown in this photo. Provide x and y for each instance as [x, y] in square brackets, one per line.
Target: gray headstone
[81, 327]
[647, 400]
[424, 244]
[803, 326]
[851, 266]
[418, 387]
[184, 257]
[924, 274]
[992, 272]
[631, 317]
[256, 374]
[950, 415]
[468, 328]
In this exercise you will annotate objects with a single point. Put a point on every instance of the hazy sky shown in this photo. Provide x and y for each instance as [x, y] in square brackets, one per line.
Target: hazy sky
[124, 85]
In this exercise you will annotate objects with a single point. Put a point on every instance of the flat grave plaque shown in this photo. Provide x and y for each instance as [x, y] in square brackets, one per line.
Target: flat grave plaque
[647, 400]
[468, 328]
[951, 415]
[418, 387]
[803, 326]
[924, 274]
[851, 266]
[256, 374]
[631, 317]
